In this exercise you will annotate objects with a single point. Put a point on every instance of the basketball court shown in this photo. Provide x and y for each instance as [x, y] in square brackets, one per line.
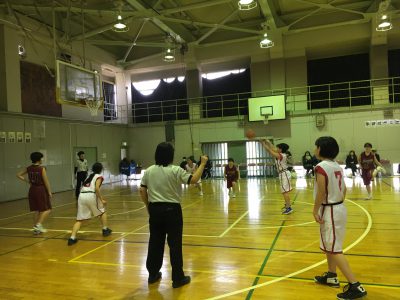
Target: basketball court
[114, 78]
[238, 248]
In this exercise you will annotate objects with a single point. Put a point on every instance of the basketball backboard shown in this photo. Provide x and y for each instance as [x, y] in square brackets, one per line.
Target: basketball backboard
[273, 106]
[75, 85]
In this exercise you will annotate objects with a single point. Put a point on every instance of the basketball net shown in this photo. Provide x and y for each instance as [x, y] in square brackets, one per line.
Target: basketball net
[93, 105]
[265, 119]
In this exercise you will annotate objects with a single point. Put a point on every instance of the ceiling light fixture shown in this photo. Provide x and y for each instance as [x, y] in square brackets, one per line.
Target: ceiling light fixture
[383, 17]
[247, 4]
[266, 42]
[120, 26]
[169, 54]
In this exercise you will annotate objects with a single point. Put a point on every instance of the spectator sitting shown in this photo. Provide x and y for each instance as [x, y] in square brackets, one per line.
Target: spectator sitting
[124, 168]
[307, 161]
[351, 162]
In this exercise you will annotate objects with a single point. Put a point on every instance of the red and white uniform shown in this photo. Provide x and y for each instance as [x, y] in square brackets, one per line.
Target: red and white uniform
[88, 203]
[192, 169]
[332, 211]
[284, 174]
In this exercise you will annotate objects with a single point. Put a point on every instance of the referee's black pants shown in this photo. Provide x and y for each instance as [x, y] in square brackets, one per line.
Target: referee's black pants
[165, 221]
[80, 179]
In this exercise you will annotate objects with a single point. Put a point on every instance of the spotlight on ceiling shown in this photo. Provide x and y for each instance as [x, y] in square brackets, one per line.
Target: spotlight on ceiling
[266, 42]
[169, 55]
[120, 26]
[383, 22]
[247, 4]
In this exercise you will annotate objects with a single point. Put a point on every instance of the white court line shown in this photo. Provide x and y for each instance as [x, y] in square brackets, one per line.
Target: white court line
[304, 269]
[230, 227]
[97, 231]
[29, 213]
[271, 227]
[55, 230]
[126, 212]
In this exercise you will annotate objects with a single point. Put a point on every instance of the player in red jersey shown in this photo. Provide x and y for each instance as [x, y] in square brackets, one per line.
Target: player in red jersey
[39, 191]
[367, 161]
[231, 174]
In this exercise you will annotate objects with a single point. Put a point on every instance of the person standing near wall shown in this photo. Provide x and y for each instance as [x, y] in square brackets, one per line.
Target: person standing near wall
[39, 191]
[81, 172]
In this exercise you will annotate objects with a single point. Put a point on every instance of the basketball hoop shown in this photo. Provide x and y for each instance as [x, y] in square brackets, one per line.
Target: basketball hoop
[265, 121]
[93, 105]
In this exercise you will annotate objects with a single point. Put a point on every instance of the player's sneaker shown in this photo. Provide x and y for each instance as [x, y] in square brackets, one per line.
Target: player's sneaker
[287, 211]
[328, 278]
[72, 241]
[352, 291]
[369, 197]
[38, 229]
[201, 194]
[107, 232]
[233, 195]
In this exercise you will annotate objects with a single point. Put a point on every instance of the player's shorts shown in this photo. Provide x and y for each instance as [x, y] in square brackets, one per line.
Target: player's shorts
[39, 199]
[333, 230]
[366, 175]
[229, 183]
[89, 206]
[284, 178]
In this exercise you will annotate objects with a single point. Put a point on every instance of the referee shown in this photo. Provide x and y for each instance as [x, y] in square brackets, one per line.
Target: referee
[81, 172]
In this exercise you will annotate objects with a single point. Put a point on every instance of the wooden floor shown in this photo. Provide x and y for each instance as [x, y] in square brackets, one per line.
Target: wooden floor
[241, 248]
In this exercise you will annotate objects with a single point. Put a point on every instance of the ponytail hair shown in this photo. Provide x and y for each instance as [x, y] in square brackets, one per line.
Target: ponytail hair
[96, 169]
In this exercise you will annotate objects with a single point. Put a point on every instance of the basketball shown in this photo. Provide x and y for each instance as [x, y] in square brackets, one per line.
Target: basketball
[250, 134]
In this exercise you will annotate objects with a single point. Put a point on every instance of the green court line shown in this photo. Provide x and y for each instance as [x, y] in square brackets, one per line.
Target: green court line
[255, 282]
[343, 282]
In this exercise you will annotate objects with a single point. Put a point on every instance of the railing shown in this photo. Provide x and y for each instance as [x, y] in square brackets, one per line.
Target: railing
[332, 97]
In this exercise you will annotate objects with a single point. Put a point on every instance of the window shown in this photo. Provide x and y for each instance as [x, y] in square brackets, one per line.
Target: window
[339, 81]
[110, 109]
[259, 162]
[218, 155]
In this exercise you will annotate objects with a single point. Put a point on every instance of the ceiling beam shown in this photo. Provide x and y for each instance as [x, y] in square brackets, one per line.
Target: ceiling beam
[202, 24]
[168, 30]
[268, 10]
[216, 27]
[124, 43]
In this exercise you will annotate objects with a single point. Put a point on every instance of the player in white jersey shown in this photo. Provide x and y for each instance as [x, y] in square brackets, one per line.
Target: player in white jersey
[279, 152]
[330, 212]
[91, 203]
[191, 167]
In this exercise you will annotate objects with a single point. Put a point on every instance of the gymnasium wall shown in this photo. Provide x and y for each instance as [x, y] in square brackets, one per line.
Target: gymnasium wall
[57, 137]
[39, 51]
[299, 132]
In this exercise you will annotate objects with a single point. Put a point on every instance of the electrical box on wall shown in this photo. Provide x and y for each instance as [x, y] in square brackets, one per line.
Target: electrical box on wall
[320, 120]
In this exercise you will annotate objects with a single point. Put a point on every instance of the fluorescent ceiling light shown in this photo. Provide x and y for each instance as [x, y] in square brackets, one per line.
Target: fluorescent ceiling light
[266, 42]
[247, 4]
[120, 26]
[169, 55]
